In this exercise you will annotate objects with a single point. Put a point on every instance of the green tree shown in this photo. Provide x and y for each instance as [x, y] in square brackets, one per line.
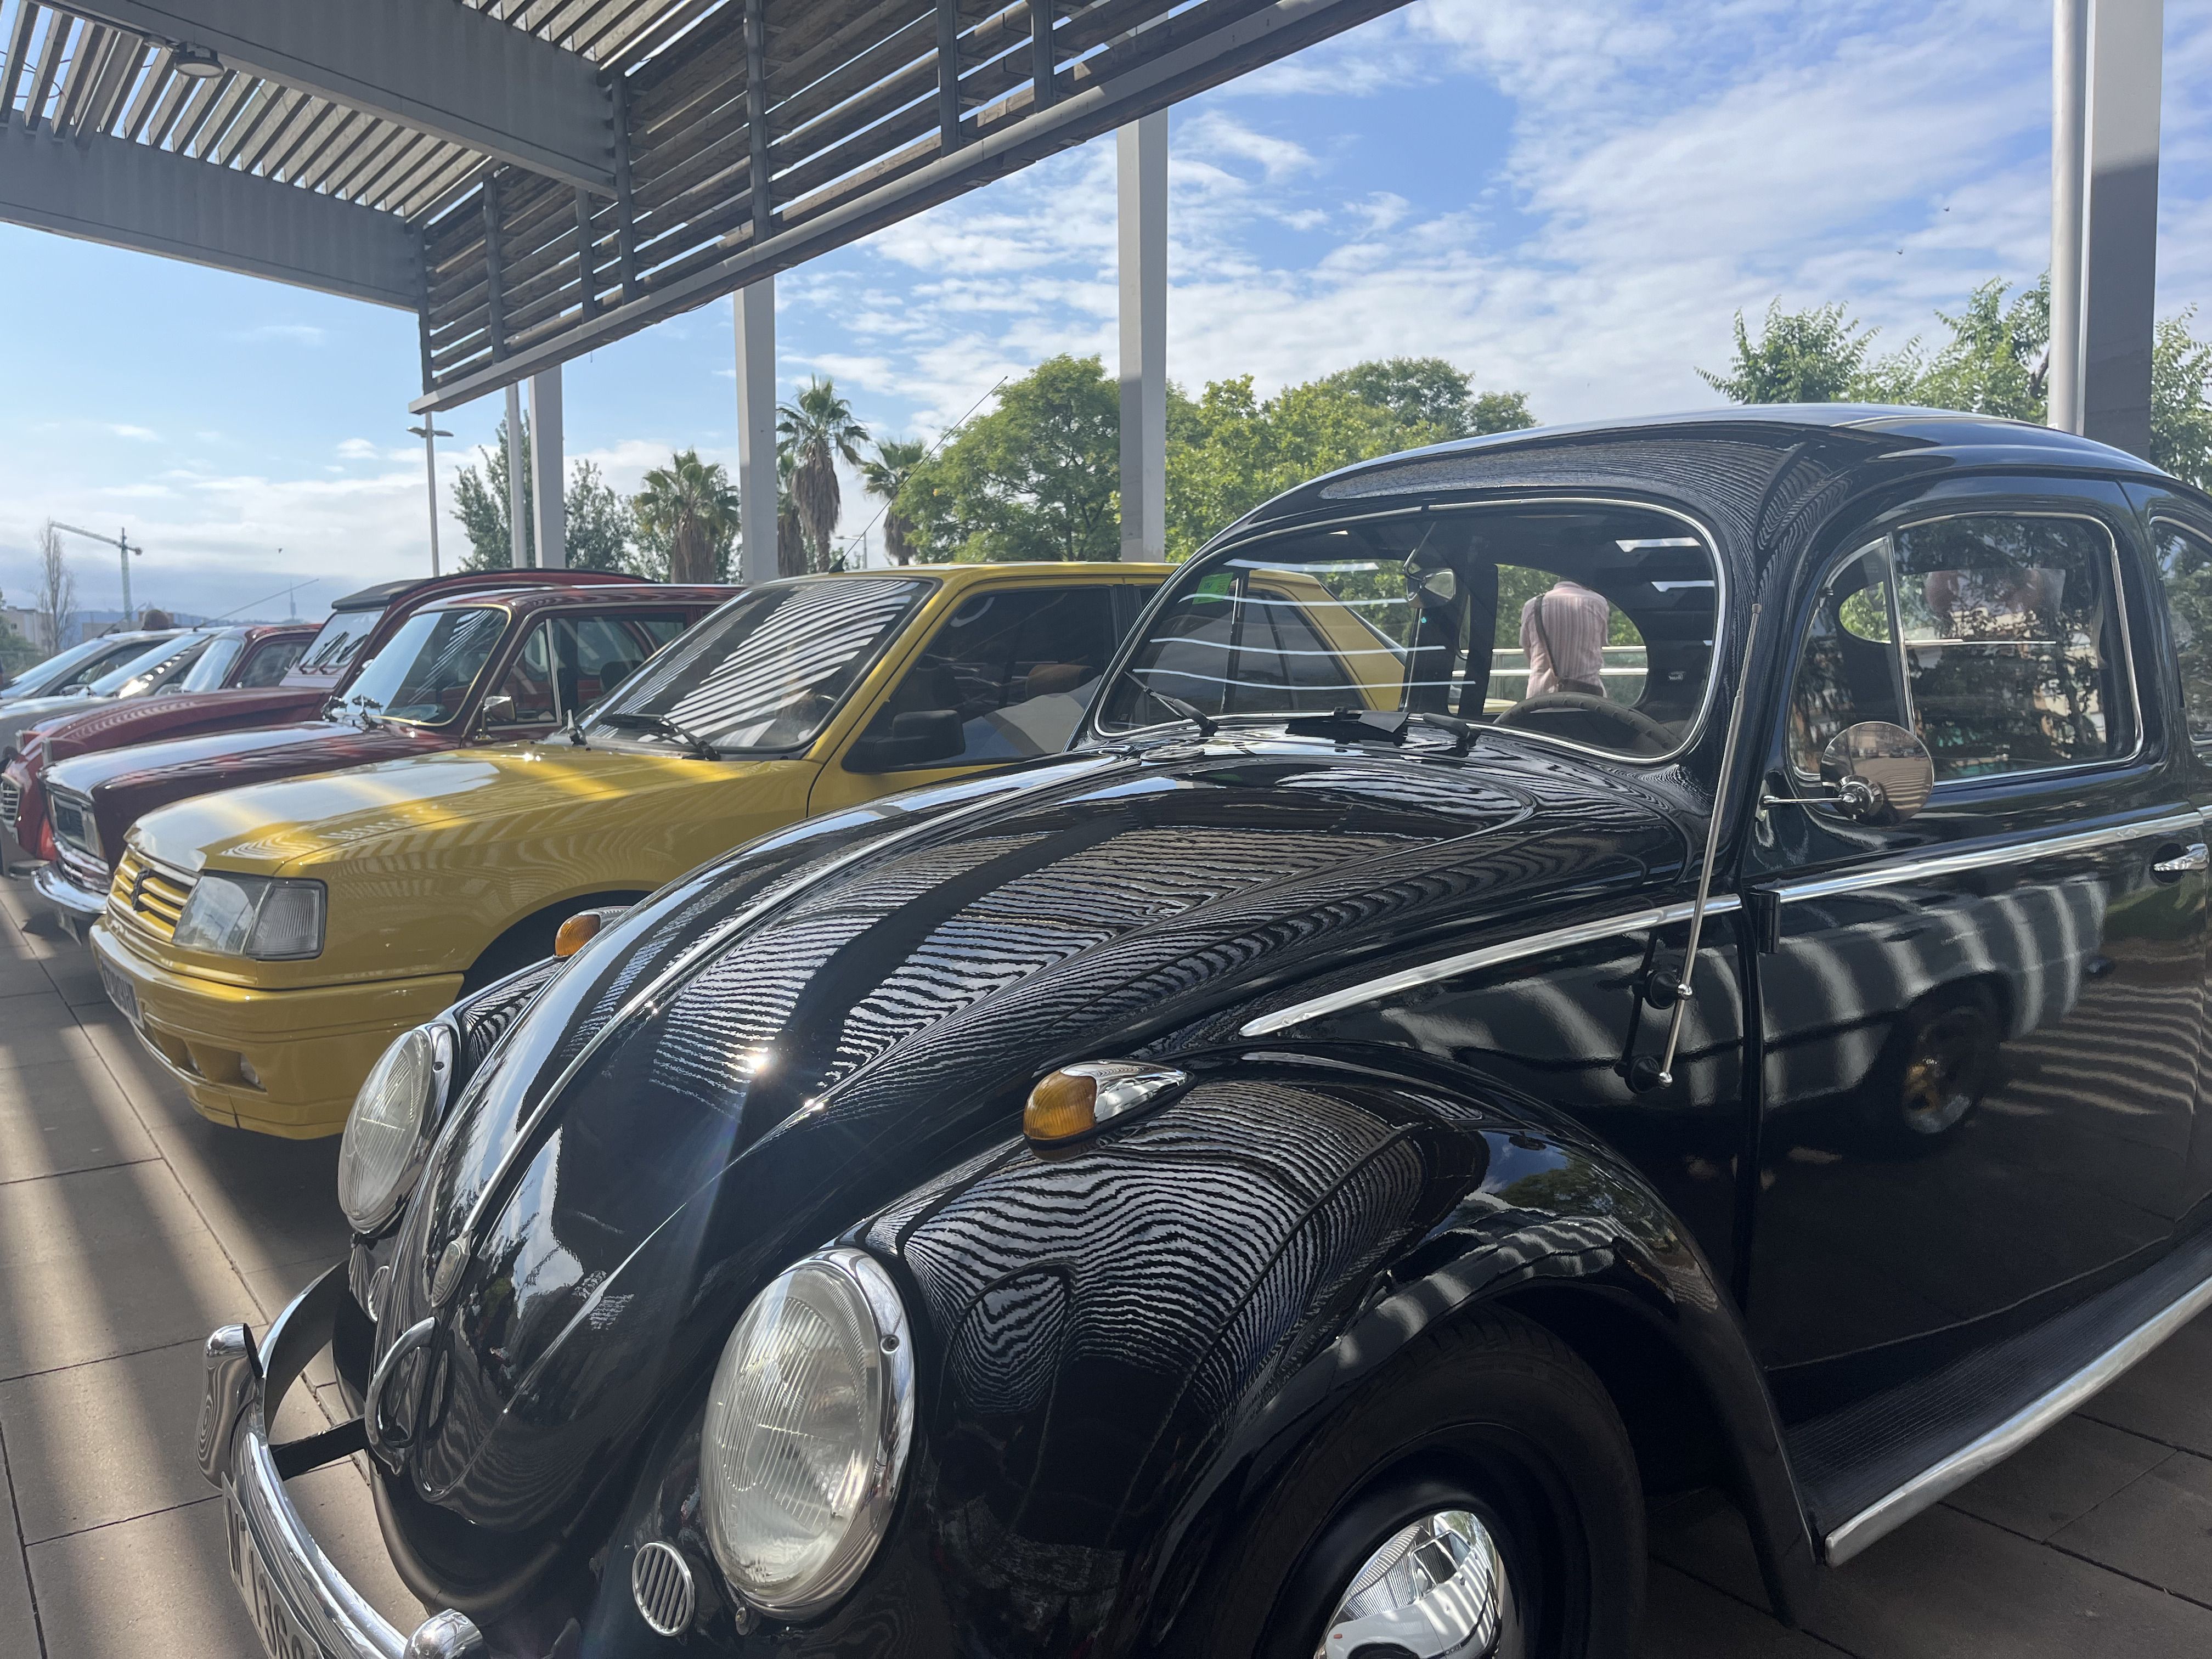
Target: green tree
[601, 530]
[2181, 408]
[1993, 363]
[1430, 392]
[1036, 478]
[16, 653]
[480, 501]
[883, 475]
[1813, 356]
[817, 430]
[687, 515]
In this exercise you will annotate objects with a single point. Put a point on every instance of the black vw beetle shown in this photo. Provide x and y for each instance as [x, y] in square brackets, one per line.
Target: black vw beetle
[1296, 1175]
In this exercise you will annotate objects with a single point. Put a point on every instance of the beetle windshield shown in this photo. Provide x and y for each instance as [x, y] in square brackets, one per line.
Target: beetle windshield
[148, 668]
[423, 673]
[766, 672]
[1591, 625]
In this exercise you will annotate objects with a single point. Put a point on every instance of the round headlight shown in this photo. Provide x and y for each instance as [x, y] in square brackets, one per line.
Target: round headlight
[384, 1130]
[806, 1434]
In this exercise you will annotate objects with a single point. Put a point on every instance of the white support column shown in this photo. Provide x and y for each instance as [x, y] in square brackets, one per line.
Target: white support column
[1141, 156]
[755, 326]
[2119, 240]
[2070, 99]
[546, 469]
[518, 506]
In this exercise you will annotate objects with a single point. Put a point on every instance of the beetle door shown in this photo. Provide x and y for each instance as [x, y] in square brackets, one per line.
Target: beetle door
[1980, 1037]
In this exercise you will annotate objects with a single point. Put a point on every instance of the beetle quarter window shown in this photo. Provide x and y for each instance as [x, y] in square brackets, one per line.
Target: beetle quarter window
[2184, 570]
[1996, 637]
[1007, 675]
[1588, 624]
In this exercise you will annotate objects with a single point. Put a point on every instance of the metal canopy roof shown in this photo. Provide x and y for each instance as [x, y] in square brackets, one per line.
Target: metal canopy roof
[537, 178]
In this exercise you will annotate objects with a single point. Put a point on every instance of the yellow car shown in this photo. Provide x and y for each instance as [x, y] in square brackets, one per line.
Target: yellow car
[269, 942]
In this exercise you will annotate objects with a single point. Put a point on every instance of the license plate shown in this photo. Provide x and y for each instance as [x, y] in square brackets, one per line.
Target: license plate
[120, 992]
[280, 1633]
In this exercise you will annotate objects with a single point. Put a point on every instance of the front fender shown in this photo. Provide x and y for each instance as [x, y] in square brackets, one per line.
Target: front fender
[1130, 1339]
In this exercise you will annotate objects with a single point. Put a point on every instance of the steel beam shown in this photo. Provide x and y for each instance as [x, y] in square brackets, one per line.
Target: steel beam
[1141, 180]
[434, 66]
[125, 195]
[2069, 96]
[2119, 241]
[754, 309]
[1222, 54]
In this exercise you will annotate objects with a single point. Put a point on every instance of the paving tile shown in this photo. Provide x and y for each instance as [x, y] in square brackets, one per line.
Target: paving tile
[1685, 1619]
[19, 1628]
[155, 1586]
[38, 1030]
[70, 1309]
[1947, 1584]
[270, 1202]
[150, 1085]
[92, 1211]
[103, 1442]
[2059, 1477]
[22, 975]
[2165, 1398]
[67, 1115]
[2158, 1527]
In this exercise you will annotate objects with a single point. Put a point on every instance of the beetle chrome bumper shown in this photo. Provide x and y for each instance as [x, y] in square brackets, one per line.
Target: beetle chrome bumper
[300, 1604]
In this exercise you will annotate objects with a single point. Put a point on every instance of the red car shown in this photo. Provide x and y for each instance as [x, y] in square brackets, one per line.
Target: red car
[475, 667]
[245, 694]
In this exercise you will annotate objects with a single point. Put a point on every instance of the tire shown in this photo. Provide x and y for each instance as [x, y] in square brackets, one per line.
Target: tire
[1940, 1061]
[1493, 1418]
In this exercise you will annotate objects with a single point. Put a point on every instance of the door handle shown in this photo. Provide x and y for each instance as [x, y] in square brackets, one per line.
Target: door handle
[2194, 857]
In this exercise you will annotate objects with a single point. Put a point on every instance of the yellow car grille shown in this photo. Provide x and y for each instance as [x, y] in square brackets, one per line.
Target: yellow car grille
[152, 895]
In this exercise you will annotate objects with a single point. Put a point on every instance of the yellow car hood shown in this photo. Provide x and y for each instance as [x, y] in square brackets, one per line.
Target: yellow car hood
[300, 823]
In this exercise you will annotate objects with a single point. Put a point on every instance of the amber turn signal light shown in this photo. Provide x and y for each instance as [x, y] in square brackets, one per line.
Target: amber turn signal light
[1077, 1099]
[576, 932]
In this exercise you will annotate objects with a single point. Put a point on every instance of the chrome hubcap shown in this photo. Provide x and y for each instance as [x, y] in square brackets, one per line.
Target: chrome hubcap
[1938, 1087]
[1435, 1590]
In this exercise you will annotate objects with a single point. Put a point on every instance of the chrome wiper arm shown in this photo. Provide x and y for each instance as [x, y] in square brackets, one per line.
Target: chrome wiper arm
[1206, 725]
[665, 727]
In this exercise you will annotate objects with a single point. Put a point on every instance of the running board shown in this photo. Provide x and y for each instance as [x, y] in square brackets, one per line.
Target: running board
[1878, 1461]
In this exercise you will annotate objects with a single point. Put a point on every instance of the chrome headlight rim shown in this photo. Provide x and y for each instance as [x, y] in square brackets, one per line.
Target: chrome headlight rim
[373, 1222]
[866, 1278]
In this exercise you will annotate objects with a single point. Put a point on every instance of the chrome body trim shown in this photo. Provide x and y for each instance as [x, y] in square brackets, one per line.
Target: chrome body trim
[1932, 1485]
[1088, 729]
[1931, 865]
[58, 891]
[1489, 955]
[644, 1002]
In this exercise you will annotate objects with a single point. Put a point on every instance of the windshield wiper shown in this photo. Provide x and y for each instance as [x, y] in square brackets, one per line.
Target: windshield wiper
[570, 730]
[370, 719]
[1206, 725]
[1381, 725]
[665, 727]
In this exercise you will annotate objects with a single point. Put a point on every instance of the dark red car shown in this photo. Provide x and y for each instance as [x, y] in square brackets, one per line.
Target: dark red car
[486, 667]
[247, 693]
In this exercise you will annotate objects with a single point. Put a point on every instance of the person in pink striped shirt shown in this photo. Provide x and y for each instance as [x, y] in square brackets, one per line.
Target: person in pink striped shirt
[1564, 632]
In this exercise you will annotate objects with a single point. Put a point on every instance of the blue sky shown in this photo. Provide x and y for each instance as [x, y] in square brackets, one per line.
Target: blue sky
[1568, 198]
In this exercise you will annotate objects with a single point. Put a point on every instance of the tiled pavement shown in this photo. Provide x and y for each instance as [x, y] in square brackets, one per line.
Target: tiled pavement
[129, 1228]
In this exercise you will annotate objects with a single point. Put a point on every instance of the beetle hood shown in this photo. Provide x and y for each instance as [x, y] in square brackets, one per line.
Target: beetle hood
[792, 1038]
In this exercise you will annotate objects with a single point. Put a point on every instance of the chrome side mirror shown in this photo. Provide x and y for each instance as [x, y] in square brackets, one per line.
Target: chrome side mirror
[498, 711]
[1881, 773]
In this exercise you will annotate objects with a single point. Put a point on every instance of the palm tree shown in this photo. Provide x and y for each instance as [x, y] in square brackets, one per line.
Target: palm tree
[895, 461]
[817, 430]
[691, 507]
[790, 539]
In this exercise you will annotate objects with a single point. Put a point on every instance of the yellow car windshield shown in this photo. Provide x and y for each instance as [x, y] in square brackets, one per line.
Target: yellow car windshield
[765, 672]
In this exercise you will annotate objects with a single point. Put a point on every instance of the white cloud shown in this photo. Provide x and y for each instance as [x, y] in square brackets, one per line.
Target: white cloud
[306, 334]
[136, 433]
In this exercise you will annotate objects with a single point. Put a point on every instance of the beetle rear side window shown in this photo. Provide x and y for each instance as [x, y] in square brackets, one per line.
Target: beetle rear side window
[1996, 637]
[2184, 570]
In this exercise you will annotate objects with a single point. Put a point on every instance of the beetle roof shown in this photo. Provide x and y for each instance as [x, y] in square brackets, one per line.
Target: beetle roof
[1754, 472]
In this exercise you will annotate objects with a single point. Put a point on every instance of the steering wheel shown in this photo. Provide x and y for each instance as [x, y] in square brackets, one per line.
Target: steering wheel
[1646, 729]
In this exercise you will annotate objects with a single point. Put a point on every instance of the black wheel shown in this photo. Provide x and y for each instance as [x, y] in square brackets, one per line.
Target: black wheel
[1940, 1061]
[1478, 1499]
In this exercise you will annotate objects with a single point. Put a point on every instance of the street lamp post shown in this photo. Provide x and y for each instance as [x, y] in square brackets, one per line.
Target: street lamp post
[430, 432]
[120, 541]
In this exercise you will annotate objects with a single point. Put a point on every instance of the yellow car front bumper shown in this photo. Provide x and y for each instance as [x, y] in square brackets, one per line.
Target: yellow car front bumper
[265, 1060]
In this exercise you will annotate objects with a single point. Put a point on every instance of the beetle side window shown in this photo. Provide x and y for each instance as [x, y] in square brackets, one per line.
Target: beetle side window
[1996, 638]
[1847, 669]
[2184, 570]
[2011, 643]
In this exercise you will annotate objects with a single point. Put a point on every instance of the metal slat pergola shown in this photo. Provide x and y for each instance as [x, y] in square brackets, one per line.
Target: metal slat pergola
[537, 178]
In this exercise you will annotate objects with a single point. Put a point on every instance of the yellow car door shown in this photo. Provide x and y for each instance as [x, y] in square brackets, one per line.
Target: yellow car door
[1000, 669]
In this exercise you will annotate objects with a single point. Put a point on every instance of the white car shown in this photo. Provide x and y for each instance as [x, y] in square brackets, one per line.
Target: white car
[159, 662]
